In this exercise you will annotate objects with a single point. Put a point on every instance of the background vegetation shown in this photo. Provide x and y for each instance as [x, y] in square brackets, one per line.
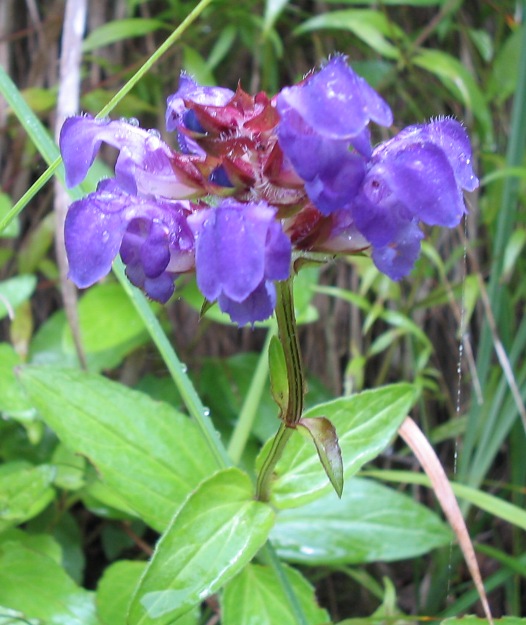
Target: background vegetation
[456, 328]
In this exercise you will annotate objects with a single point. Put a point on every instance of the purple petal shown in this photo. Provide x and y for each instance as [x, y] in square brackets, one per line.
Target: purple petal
[239, 248]
[93, 232]
[332, 174]
[422, 179]
[453, 139]
[258, 306]
[336, 102]
[447, 134]
[144, 164]
[398, 259]
[189, 90]
[152, 236]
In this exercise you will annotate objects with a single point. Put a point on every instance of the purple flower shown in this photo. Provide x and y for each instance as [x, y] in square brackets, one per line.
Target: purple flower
[145, 164]
[418, 176]
[240, 250]
[321, 119]
[153, 238]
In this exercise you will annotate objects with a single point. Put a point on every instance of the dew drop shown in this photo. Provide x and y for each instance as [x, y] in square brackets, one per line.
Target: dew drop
[105, 236]
[184, 368]
[206, 412]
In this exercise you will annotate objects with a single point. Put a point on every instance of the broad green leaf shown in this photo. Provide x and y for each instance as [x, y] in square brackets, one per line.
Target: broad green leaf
[24, 491]
[44, 544]
[215, 533]
[146, 451]
[116, 588]
[13, 401]
[460, 82]
[370, 523]
[365, 424]
[372, 27]
[256, 596]
[325, 439]
[117, 30]
[37, 586]
[110, 328]
[14, 617]
[70, 468]
[15, 291]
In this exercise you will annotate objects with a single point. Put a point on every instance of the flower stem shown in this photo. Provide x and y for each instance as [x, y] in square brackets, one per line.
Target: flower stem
[288, 336]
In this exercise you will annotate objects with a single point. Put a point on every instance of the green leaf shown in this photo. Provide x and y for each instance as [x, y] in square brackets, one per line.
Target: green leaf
[13, 229]
[370, 523]
[37, 586]
[278, 374]
[256, 596]
[146, 451]
[15, 291]
[117, 30]
[197, 67]
[13, 401]
[325, 439]
[110, 328]
[24, 491]
[116, 588]
[273, 8]
[503, 80]
[14, 617]
[365, 423]
[42, 543]
[372, 27]
[215, 533]
[460, 82]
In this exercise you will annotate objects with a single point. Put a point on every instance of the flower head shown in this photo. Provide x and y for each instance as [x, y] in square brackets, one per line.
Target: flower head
[254, 178]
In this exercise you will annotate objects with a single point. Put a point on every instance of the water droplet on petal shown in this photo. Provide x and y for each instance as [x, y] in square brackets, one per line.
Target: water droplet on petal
[105, 236]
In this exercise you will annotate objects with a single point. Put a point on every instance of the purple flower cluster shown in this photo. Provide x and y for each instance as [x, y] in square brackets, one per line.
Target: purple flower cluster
[255, 178]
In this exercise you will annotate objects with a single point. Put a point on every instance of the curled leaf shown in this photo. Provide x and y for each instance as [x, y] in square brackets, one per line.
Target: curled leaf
[324, 435]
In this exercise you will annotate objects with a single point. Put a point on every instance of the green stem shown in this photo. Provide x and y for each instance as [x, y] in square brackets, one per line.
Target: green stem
[251, 403]
[267, 470]
[288, 335]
